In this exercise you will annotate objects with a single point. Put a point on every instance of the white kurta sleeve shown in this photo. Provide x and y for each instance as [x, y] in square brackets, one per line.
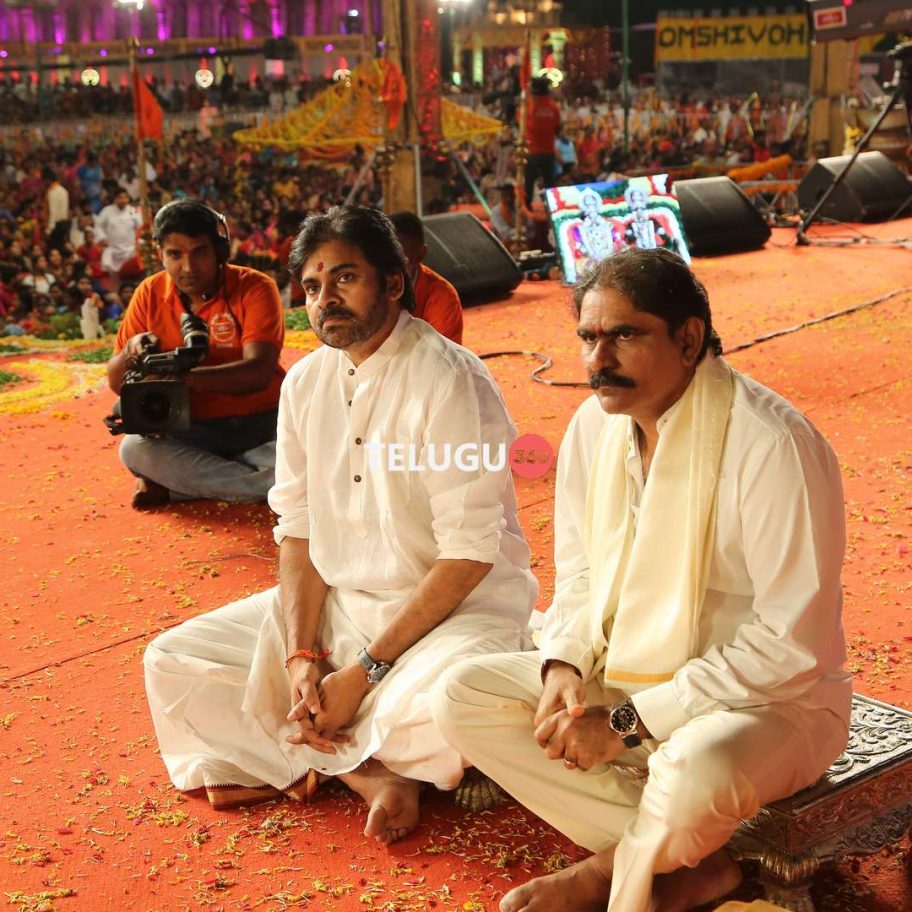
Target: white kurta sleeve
[566, 634]
[469, 432]
[793, 540]
[288, 496]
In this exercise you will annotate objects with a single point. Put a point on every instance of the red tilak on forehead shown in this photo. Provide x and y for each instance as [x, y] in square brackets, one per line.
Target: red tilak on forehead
[320, 266]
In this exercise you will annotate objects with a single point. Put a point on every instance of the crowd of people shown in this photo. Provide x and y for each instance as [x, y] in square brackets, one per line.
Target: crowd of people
[22, 102]
[56, 216]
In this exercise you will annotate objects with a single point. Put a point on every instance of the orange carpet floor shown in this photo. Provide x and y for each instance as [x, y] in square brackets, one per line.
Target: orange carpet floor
[88, 820]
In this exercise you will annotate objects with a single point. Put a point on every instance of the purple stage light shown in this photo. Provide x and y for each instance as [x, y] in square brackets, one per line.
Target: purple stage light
[328, 48]
[103, 52]
[212, 50]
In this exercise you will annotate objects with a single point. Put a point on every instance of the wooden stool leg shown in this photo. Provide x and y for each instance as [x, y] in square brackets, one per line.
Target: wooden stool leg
[786, 880]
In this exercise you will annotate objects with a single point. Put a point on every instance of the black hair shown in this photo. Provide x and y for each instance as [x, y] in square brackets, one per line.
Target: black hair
[656, 282]
[367, 229]
[185, 216]
[408, 224]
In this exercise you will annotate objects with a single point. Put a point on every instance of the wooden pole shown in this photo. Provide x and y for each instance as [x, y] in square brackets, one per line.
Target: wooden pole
[521, 148]
[137, 132]
[625, 70]
[397, 160]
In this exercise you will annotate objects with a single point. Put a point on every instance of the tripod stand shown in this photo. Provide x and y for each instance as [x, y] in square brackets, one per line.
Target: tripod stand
[901, 90]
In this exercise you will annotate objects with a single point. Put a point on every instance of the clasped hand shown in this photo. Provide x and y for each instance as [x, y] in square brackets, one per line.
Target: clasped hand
[566, 729]
[324, 706]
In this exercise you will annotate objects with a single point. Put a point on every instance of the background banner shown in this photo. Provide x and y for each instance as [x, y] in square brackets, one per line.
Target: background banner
[732, 38]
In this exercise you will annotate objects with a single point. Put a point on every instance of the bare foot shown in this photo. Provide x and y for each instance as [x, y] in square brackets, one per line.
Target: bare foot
[714, 877]
[149, 494]
[392, 800]
[583, 887]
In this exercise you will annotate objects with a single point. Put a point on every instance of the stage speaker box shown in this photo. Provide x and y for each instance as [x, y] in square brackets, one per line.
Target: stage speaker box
[465, 253]
[872, 191]
[719, 217]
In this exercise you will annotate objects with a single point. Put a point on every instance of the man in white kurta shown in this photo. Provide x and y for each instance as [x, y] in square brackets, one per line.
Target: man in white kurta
[371, 482]
[118, 224]
[732, 684]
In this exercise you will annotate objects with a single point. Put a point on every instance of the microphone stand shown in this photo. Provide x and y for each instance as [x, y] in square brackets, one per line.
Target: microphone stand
[901, 91]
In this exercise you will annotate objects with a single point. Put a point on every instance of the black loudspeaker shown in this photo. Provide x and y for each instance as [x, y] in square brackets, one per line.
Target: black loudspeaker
[465, 253]
[719, 217]
[872, 191]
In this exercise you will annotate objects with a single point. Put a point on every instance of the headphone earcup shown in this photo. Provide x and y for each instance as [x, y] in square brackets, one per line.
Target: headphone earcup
[223, 249]
[223, 237]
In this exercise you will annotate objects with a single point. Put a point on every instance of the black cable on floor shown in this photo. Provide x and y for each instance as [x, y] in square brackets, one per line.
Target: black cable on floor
[547, 362]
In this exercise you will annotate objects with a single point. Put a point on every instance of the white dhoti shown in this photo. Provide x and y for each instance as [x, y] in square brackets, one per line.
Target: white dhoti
[665, 805]
[219, 694]
[113, 258]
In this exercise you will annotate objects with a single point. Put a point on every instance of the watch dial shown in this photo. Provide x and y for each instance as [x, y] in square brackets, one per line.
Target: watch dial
[623, 718]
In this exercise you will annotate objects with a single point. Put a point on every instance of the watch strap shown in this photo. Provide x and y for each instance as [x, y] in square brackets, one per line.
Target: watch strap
[627, 733]
[375, 671]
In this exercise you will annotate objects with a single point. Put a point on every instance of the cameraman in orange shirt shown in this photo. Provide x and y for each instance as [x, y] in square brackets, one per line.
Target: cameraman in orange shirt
[229, 451]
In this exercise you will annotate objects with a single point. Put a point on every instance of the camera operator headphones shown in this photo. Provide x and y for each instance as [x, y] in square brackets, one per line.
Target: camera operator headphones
[217, 224]
[217, 230]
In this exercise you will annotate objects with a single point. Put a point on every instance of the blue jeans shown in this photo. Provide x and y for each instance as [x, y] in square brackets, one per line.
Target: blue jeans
[218, 459]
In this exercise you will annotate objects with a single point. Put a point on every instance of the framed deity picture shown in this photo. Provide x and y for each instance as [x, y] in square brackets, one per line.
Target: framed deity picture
[593, 221]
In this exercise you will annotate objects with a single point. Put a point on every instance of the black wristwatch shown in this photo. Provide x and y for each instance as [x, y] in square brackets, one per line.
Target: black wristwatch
[623, 721]
[375, 671]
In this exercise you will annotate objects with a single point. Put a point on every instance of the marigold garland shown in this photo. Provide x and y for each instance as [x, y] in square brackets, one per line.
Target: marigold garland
[28, 344]
[301, 339]
[54, 382]
[352, 113]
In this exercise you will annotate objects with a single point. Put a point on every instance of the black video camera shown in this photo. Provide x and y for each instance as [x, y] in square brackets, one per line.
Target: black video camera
[154, 398]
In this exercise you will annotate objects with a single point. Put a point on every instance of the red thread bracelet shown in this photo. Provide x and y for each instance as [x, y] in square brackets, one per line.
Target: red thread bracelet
[308, 654]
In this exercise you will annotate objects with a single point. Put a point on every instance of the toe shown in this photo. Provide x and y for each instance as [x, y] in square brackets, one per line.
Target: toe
[376, 822]
[513, 901]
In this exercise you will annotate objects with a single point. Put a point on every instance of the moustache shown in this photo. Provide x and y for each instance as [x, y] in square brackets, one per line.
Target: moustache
[609, 378]
[333, 313]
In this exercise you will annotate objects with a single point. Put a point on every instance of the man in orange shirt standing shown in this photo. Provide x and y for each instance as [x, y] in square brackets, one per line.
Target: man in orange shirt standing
[436, 301]
[543, 121]
[229, 451]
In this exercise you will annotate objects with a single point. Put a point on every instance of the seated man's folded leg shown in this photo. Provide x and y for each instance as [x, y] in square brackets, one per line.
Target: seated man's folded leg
[189, 472]
[710, 774]
[196, 682]
[260, 457]
[485, 706]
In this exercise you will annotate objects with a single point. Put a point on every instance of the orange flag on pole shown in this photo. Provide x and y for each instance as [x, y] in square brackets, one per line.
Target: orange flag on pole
[393, 94]
[148, 113]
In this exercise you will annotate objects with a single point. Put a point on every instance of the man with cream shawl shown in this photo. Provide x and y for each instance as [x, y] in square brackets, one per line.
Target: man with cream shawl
[690, 665]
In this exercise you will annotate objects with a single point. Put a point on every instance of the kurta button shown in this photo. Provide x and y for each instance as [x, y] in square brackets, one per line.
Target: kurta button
[358, 441]
[349, 402]
[357, 478]
[351, 372]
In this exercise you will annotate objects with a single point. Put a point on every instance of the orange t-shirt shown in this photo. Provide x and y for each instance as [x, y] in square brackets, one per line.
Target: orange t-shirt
[542, 125]
[437, 303]
[254, 300]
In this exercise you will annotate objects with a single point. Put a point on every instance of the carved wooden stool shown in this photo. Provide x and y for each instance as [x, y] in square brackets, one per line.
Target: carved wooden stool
[861, 805]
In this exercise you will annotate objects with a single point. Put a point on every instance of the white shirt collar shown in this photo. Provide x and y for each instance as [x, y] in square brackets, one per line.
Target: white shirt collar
[378, 360]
